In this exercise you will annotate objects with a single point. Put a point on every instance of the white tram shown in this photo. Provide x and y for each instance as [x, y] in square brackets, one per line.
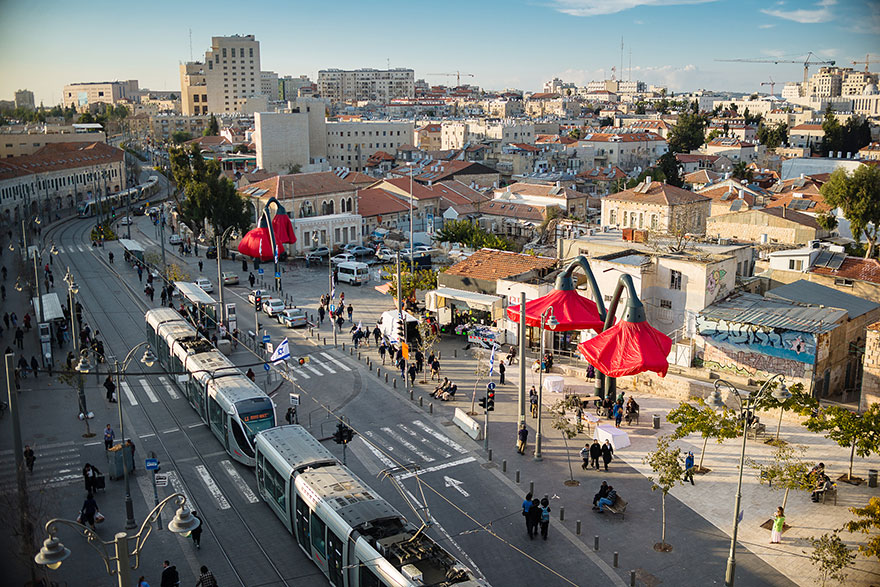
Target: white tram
[232, 405]
[354, 536]
[108, 202]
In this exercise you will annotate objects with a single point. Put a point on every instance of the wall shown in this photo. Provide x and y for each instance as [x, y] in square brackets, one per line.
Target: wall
[18, 144]
[752, 225]
[871, 377]
[282, 140]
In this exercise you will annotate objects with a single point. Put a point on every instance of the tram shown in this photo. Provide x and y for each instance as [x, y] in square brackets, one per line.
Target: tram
[234, 407]
[109, 202]
[355, 537]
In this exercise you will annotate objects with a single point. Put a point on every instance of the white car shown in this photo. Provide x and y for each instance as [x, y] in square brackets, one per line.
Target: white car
[386, 255]
[175, 239]
[343, 258]
[125, 220]
[206, 285]
[273, 306]
[292, 318]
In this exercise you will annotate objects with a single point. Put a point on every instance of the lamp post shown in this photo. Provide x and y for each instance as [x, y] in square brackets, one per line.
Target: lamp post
[148, 359]
[220, 238]
[118, 562]
[550, 321]
[411, 196]
[715, 401]
[38, 252]
[25, 526]
[72, 290]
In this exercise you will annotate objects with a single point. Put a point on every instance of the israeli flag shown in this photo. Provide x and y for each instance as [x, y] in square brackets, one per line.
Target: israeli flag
[492, 360]
[281, 353]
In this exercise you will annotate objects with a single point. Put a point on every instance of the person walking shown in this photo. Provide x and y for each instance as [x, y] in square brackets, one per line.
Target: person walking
[585, 456]
[19, 338]
[89, 510]
[321, 314]
[111, 389]
[109, 437]
[420, 360]
[142, 582]
[435, 369]
[206, 579]
[201, 265]
[412, 374]
[618, 414]
[533, 518]
[607, 452]
[290, 416]
[545, 517]
[526, 506]
[90, 476]
[522, 438]
[349, 310]
[595, 453]
[35, 366]
[140, 271]
[377, 334]
[110, 257]
[533, 402]
[382, 348]
[689, 468]
[197, 533]
[251, 279]
[501, 370]
[778, 526]
[340, 320]
[170, 576]
[29, 458]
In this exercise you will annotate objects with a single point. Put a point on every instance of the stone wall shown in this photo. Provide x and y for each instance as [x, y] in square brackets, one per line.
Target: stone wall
[871, 367]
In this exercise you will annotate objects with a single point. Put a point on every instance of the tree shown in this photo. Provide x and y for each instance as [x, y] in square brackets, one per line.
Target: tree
[858, 196]
[832, 557]
[800, 402]
[640, 108]
[179, 137]
[786, 471]
[687, 134]
[213, 128]
[567, 429]
[859, 431]
[410, 281]
[668, 472]
[827, 220]
[713, 134]
[294, 169]
[703, 420]
[86, 118]
[742, 172]
[575, 133]
[833, 139]
[470, 234]
[869, 519]
[669, 167]
[606, 121]
[774, 136]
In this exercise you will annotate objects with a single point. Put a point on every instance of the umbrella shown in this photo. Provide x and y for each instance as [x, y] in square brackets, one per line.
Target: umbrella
[257, 244]
[572, 310]
[628, 348]
[283, 228]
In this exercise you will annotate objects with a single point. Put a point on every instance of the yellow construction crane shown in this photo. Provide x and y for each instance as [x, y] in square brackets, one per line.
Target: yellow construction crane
[457, 75]
[772, 85]
[867, 62]
[806, 62]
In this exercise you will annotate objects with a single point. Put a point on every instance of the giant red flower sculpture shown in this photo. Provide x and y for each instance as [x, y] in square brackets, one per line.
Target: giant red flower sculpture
[283, 228]
[257, 244]
[628, 348]
[572, 310]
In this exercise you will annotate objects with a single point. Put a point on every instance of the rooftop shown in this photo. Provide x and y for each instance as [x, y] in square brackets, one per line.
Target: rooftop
[749, 308]
[853, 268]
[493, 264]
[809, 292]
[58, 157]
[657, 193]
[286, 187]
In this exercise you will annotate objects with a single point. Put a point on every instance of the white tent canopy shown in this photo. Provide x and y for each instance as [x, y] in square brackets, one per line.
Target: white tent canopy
[388, 323]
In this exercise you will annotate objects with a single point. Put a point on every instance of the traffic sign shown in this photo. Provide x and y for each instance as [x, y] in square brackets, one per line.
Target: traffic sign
[491, 386]
[332, 307]
[294, 399]
[277, 275]
[260, 271]
[266, 366]
[161, 480]
[151, 464]
[267, 338]
[258, 293]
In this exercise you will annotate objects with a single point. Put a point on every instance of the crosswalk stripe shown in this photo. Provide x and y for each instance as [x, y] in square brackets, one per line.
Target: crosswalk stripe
[376, 452]
[326, 366]
[342, 365]
[439, 467]
[169, 388]
[212, 488]
[408, 445]
[445, 440]
[149, 391]
[71, 248]
[239, 482]
[129, 394]
[301, 373]
[80, 249]
[424, 440]
[313, 370]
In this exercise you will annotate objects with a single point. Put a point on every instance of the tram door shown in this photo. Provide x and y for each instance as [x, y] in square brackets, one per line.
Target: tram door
[334, 558]
[301, 517]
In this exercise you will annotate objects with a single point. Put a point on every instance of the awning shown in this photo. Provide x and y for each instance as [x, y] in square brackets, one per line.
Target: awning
[478, 301]
[572, 310]
[51, 307]
[383, 289]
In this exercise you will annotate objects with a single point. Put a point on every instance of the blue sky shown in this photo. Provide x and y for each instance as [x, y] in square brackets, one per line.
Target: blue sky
[504, 43]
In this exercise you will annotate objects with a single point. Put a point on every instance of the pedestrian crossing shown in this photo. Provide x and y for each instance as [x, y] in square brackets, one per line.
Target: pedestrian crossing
[318, 365]
[56, 465]
[407, 443]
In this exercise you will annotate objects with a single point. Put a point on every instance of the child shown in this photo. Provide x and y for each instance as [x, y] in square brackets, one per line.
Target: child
[778, 525]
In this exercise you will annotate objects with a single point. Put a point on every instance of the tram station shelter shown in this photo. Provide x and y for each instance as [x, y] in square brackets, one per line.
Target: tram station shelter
[202, 307]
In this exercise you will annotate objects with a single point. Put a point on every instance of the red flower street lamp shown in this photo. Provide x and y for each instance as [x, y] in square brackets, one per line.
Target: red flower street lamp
[266, 241]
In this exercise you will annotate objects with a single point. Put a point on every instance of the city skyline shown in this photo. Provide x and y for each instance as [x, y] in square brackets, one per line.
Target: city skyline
[488, 39]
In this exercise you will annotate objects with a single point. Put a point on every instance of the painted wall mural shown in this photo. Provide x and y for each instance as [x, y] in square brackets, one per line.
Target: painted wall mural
[715, 285]
[753, 364]
[749, 338]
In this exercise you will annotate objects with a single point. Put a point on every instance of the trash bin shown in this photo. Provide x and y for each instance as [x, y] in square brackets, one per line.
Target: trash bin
[656, 422]
[872, 477]
[115, 464]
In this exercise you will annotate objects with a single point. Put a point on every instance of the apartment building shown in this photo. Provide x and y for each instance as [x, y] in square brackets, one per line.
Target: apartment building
[85, 94]
[229, 79]
[193, 89]
[24, 99]
[162, 126]
[350, 144]
[288, 87]
[269, 85]
[657, 206]
[18, 141]
[455, 134]
[855, 82]
[626, 150]
[380, 85]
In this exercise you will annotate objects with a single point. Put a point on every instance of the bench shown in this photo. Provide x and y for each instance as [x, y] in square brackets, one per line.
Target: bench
[618, 507]
[634, 416]
[830, 492]
[757, 429]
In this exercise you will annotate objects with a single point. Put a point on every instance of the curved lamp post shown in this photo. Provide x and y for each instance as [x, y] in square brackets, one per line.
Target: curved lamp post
[38, 253]
[548, 320]
[118, 561]
[746, 406]
[267, 240]
[73, 289]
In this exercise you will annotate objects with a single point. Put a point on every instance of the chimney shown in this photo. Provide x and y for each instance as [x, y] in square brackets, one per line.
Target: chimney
[802, 175]
[742, 194]
[839, 154]
[648, 180]
[558, 183]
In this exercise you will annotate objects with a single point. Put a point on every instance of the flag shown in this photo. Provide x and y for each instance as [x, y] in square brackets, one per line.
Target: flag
[281, 353]
[492, 360]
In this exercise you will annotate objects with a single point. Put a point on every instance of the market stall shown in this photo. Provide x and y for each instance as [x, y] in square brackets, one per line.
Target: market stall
[459, 311]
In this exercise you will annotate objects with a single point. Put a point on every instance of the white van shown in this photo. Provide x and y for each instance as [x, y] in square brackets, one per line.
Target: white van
[353, 272]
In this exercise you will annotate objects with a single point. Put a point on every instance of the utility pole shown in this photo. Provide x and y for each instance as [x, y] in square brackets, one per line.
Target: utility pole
[400, 315]
[332, 296]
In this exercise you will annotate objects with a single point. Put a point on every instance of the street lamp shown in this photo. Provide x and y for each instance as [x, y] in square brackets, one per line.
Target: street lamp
[148, 359]
[229, 232]
[73, 289]
[53, 552]
[38, 253]
[548, 320]
[715, 401]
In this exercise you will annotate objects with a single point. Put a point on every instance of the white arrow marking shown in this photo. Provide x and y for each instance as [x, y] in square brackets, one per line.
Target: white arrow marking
[455, 484]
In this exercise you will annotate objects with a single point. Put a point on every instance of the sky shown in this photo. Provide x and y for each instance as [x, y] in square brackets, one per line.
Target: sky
[46, 44]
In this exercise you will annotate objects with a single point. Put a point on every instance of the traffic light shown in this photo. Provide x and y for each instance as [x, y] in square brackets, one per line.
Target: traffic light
[258, 302]
[483, 401]
[113, 212]
[490, 401]
[343, 434]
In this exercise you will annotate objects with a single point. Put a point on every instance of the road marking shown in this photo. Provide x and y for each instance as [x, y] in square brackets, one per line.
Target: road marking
[413, 448]
[439, 467]
[147, 435]
[129, 394]
[326, 366]
[377, 453]
[212, 488]
[80, 249]
[301, 373]
[434, 447]
[455, 484]
[170, 430]
[178, 487]
[96, 443]
[169, 388]
[445, 440]
[71, 248]
[313, 370]
[239, 482]
[341, 365]
[149, 391]
[196, 425]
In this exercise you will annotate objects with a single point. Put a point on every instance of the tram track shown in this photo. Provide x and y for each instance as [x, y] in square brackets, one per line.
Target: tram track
[77, 230]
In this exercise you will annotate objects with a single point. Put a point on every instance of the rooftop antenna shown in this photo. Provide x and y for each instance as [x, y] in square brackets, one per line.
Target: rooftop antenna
[190, 44]
[620, 71]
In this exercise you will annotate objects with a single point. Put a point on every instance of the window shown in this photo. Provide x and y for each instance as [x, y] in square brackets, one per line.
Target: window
[251, 51]
[224, 52]
[653, 222]
[612, 217]
[843, 282]
[338, 234]
[675, 279]
[272, 482]
[796, 264]
[302, 522]
[666, 304]
[318, 529]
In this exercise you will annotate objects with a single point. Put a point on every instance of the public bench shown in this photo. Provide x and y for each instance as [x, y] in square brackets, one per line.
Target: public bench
[618, 507]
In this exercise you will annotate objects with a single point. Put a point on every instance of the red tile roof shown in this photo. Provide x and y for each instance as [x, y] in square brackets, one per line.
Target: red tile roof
[806, 126]
[494, 264]
[658, 193]
[702, 176]
[853, 268]
[376, 201]
[724, 193]
[513, 210]
[695, 157]
[286, 187]
[622, 137]
[602, 174]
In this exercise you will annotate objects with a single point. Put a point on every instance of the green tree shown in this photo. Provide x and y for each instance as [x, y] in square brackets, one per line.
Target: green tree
[213, 128]
[703, 420]
[786, 471]
[470, 234]
[800, 402]
[742, 172]
[833, 139]
[859, 431]
[858, 196]
[827, 220]
[688, 133]
[774, 136]
[410, 281]
[868, 520]
[662, 106]
[575, 133]
[669, 167]
[179, 137]
[713, 134]
[640, 108]
[832, 557]
[668, 469]
[86, 118]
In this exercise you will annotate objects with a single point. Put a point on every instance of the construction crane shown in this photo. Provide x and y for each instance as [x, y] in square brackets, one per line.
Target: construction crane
[806, 62]
[457, 75]
[772, 85]
[867, 62]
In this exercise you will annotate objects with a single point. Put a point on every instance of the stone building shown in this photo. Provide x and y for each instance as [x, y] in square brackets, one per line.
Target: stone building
[766, 226]
[657, 206]
[871, 368]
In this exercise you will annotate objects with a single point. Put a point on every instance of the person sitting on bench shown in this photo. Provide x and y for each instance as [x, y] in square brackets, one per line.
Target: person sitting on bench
[443, 387]
[632, 410]
[608, 500]
[448, 395]
[822, 486]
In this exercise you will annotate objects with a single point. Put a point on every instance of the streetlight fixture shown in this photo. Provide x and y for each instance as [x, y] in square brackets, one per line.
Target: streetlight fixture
[548, 320]
[715, 401]
[118, 562]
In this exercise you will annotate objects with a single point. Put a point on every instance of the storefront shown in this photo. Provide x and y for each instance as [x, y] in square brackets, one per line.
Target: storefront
[459, 311]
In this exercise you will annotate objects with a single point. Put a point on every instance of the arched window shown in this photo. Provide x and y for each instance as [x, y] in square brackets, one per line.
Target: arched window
[612, 217]
[305, 210]
[653, 222]
[327, 207]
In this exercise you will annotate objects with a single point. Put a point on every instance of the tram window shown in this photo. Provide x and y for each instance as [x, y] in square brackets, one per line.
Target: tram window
[334, 558]
[302, 522]
[215, 414]
[243, 442]
[368, 578]
[318, 529]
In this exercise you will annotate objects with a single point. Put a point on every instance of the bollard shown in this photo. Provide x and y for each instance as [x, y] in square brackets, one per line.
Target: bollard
[490, 454]
[504, 466]
[421, 402]
[325, 340]
[578, 528]
[359, 355]
[517, 476]
[343, 346]
[393, 382]
[615, 560]
[386, 378]
[370, 363]
[632, 579]
[350, 350]
[454, 353]
[531, 487]
[562, 514]
[378, 372]
[431, 408]
[410, 394]
[595, 543]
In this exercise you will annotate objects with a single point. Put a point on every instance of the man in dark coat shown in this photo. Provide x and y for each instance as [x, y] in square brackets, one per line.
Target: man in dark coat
[595, 453]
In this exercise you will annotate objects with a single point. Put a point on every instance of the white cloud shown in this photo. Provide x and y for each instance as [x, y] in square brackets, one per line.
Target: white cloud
[822, 13]
[766, 26]
[599, 7]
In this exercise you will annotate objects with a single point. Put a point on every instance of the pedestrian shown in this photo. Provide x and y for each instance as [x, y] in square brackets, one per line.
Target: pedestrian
[142, 582]
[89, 511]
[170, 576]
[401, 362]
[420, 360]
[382, 349]
[689, 467]
[340, 321]
[164, 296]
[609, 499]
[27, 321]
[110, 257]
[109, 436]
[206, 579]
[111, 389]
[321, 315]
[522, 437]
[435, 369]
[595, 453]
[140, 273]
[130, 444]
[29, 458]
[19, 337]
[618, 414]
[377, 334]
[290, 416]
[526, 506]
[90, 476]
[545, 517]
[533, 518]
[607, 452]
[533, 401]
[603, 492]
[14, 318]
[349, 310]
[6, 319]
[778, 526]
[412, 375]
[35, 366]
[201, 266]
[585, 456]
[251, 279]
[501, 370]
[197, 533]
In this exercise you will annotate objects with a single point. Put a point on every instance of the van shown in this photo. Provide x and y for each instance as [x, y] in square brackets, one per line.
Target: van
[353, 272]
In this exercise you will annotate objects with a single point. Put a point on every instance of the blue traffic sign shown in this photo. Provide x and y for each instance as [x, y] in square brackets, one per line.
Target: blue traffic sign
[277, 275]
[267, 338]
[491, 386]
[151, 464]
[332, 307]
[258, 293]
[266, 366]
[260, 271]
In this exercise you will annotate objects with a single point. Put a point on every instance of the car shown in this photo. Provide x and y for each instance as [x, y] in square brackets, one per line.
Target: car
[420, 249]
[273, 306]
[292, 318]
[206, 285]
[139, 210]
[349, 247]
[175, 239]
[361, 251]
[152, 210]
[252, 296]
[343, 258]
[318, 254]
[211, 253]
[386, 254]
[230, 278]
[125, 220]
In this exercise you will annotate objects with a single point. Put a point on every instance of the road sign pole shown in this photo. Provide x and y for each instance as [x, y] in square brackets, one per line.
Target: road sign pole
[155, 490]
[486, 430]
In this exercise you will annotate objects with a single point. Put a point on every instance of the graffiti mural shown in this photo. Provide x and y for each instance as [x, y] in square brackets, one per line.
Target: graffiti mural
[736, 337]
[753, 364]
[715, 285]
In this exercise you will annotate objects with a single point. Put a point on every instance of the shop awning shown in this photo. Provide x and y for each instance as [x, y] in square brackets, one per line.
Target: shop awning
[439, 297]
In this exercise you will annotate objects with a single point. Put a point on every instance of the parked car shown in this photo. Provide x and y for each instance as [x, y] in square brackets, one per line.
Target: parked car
[252, 295]
[206, 285]
[230, 278]
[318, 254]
[343, 258]
[292, 318]
[273, 306]
[361, 251]
[175, 239]
[211, 253]
[125, 220]
[386, 254]
[348, 248]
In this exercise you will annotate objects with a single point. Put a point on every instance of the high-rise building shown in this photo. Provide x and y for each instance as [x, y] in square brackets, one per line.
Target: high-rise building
[24, 99]
[381, 85]
[288, 87]
[228, 80]
[193, 89]
[81, 95]
[269, 84]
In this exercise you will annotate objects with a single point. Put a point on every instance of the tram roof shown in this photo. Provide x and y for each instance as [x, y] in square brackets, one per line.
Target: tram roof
[193, 293]
[51, 307]
[158, 316]
[236, 388]
[347, 495]
[295, 447]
